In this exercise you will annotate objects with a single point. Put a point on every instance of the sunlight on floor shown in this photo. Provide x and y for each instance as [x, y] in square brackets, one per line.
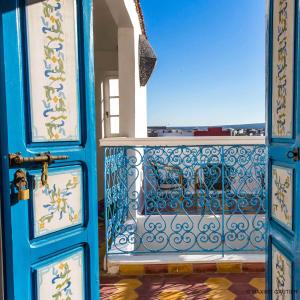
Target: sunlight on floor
[184, 287]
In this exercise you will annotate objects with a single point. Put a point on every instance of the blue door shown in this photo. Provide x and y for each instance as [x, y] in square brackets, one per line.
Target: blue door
[48, 150]
[283, 272]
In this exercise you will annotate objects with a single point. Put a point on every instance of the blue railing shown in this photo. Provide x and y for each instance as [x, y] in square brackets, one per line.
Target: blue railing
[206, 198]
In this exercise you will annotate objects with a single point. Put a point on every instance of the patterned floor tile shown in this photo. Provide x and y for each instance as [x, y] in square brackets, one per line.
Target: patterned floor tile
[125, 289]
[242, 288]
[218, 283]
[172, 295]
[245, 278]
[129, 284]
[221, 295]
[259, 284]
[188, 287]
[245, 297]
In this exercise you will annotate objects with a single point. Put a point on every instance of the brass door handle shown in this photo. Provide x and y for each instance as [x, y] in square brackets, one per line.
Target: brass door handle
[16, 159]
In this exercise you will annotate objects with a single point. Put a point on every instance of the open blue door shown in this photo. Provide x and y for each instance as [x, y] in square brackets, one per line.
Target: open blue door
[48, 150]
[283, 106]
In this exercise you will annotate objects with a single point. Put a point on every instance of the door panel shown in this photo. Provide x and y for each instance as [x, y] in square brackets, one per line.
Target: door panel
[47, 96]
[282, 276]
[282, 197]
[283, 140]
[52, 64]
[61, 277]
[60, 204]
[283, 72]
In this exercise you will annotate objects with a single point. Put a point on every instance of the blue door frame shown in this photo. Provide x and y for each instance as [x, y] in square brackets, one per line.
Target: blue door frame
[283, 123]
[25, 256]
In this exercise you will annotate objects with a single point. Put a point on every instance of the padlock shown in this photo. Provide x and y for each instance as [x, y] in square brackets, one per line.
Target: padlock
[22, 185]
[23, 194]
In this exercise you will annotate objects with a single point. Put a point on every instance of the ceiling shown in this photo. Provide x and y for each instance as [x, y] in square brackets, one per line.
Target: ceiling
[105, 28]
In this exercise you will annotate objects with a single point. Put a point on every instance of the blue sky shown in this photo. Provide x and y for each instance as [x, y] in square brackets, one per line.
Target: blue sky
[210, 68]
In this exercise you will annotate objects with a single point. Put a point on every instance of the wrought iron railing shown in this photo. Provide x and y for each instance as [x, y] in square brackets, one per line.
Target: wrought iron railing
[207, 198]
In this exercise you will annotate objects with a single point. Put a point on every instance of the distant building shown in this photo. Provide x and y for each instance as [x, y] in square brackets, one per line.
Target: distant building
[228, 130]
[213, 131]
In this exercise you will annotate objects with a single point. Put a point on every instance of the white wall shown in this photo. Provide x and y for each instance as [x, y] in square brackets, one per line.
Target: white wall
[140, 92]
[106, 61]
[116, 33]
[127, 81]
[133, 98]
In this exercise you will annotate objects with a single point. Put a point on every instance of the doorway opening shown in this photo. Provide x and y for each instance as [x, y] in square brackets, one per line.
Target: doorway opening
[214, 190]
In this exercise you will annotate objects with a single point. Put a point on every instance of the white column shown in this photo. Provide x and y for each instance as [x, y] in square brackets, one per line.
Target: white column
[126, 56]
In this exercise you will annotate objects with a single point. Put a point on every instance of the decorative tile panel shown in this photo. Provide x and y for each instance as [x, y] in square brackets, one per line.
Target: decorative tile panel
[281, 276]
[282, 195]
[62, 280]
[59, 204]
[283, 68]
[52, 60]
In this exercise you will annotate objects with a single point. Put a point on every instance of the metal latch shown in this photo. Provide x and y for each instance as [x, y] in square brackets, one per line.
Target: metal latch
[16, 159]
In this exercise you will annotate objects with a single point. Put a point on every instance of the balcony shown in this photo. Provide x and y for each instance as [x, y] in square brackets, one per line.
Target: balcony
[187, 195]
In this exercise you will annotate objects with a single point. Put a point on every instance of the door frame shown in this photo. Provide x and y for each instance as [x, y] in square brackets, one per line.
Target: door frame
[13, 86]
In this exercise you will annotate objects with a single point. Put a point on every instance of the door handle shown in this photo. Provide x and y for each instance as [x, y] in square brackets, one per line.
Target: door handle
[16, 159]
[294, 154]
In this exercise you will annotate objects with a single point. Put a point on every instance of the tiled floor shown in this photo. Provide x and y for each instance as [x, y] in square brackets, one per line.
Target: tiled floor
[241, 286]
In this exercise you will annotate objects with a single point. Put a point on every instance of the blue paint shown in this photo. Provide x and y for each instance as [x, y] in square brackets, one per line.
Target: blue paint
[185, 199]
[21, 252]
[285, 239]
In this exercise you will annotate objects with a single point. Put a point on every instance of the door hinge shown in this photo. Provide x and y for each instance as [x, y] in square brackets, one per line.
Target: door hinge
[294, 154]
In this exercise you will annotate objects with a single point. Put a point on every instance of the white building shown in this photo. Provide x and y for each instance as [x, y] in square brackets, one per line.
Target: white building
[121, 96]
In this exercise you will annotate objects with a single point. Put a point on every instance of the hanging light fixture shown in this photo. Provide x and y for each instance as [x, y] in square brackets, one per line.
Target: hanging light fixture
[147, 60]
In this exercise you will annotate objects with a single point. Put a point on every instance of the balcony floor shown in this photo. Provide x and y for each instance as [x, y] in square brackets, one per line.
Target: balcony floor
[220, 286]
[216, 286]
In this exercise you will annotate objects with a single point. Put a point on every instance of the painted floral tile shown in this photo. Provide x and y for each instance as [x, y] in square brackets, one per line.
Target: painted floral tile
[57, 205]
[282, 195]
[62, 280]
[52, 60]
[283, 68]
[281, 276]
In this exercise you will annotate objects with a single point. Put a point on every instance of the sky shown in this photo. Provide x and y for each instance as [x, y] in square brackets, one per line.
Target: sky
[211, 62]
